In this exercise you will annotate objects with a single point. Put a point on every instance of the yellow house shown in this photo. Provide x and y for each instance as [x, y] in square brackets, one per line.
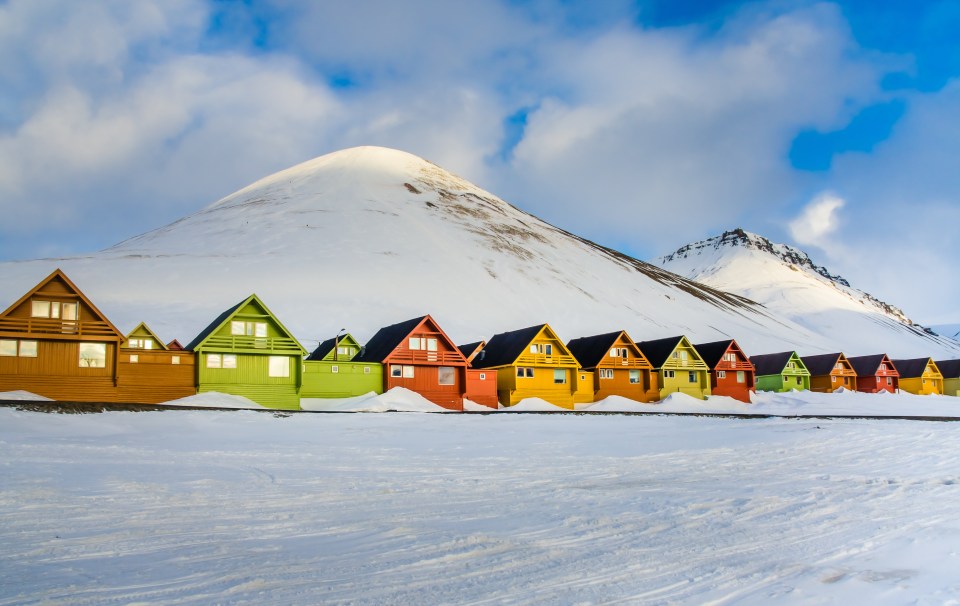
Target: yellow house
[679, 366]
[920, 376]
[534, 363]
[950, 369]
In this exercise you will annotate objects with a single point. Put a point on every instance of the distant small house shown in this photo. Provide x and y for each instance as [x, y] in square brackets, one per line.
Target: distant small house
[830, 372]
[950, 370]
[248, 352]
[175, 346]
[150, 372]
[330, 372]
[534, 363]
[419, 356]
[481, 384]
[54, 342]
[679, 366]
[875, 373]
[780, 372]
[731, 371]
[920, 376]
[618, 366]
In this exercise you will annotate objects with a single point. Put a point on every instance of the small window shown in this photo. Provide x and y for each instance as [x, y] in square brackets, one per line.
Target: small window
[721, 374]
[408, 372]
[676, 355]
[134, 358]
[69, 311]
[236, 328]
[229, 360]
[583, 377]
[260, 330]
[878, 379]
[396, 371]
[335, 369]
[634, 377]
[683, 356]
[279, 367]
[833, 379]
[669, 374]
[175, 360]
[8, 348]
[214, 361]
[614, 353]
[446, 375]
[799, 380]
[548, 349]
[483, 376]
[889, 380]
[606, 373]
[691, 377]
[431, 345]
[40, 309]
[415, 343]
[559, 376]
[534, 349]
[93, 355]
[28, 349]
[366, 370]
[741, 376]
[519, 371]
[529, 373]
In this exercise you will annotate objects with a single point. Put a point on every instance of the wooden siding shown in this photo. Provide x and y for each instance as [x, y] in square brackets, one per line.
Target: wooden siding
[682, 362]
[251, 380]
[425, 363]
[951, 387]
[319, 380]
[794, 375]
[154, 378]
[482, 387]
[425, 381]
[738, 380]
[648, 387]
[511, 389]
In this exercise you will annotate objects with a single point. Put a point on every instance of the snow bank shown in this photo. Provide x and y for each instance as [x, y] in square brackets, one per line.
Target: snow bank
[470, 406]
[534, 405]
[23, 395]
[397, 399]
[215, 399]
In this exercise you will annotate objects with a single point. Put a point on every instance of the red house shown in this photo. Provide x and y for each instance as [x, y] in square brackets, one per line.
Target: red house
[732, 374]
[875, 373]
[481, 384]
[419, 356]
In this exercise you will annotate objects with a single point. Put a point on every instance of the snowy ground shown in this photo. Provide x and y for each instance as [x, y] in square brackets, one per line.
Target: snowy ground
[200, 507]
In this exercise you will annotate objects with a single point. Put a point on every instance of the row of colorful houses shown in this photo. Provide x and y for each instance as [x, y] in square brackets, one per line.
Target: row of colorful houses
[55, 342]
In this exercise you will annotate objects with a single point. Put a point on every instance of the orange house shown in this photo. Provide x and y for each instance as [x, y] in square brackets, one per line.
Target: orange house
[153, 373]
[54, 342]
[830, 372]
[875, 373]
[419, 356]
[619, 367]
[732, 374]
[481, 384]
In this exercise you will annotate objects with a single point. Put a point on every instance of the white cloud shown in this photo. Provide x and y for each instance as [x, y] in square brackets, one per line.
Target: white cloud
[818, 222]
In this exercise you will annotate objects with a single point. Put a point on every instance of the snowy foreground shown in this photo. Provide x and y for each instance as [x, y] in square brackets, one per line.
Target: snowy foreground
[200, 507]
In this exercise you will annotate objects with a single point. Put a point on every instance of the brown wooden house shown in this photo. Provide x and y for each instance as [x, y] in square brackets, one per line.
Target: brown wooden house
[732, 374]
[54, 342]
[830, 372]
[152, 373]
[481, 384]
[619, 367]
[419, 356]
[875, 373]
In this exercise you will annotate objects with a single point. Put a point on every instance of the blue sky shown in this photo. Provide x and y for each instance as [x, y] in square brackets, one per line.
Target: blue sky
[642, 125]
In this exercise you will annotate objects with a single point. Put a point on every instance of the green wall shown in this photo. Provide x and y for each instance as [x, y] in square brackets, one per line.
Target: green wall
[319, 380]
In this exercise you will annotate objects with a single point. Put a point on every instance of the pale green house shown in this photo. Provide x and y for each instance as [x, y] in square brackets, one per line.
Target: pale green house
[329, 371]
[781, 372]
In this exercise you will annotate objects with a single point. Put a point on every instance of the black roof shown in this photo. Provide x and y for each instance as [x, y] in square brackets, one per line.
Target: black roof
[386, 340]
[713, 352]
[912, 368]
[822, 364]
[469, 349]
[866, 366]
[213, 326]
[322, 350]
[950, 369]
[589, 351]
[506, 347]
[659, 350]
[771, 364]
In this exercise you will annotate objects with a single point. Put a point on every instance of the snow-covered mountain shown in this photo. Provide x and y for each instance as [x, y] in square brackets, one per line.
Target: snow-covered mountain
[788, 283]
[370, 236]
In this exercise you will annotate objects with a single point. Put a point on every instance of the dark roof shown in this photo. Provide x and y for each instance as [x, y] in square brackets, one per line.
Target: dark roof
[713, 352]
[213, 326]
[589, 351]
[911, 369]
[469, 349]
[771, 364]
[659, 350]
[386, 340]
[950, 369]
[866, 366]
[322, 350]
[504, 348]
[820, 365]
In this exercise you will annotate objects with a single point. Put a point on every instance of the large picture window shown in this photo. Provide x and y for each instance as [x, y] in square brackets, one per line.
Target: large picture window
[8, 348]
[93, 355]
[634, 376]
[53, 309]
[559, 376]
[446, 375]
[221, 361]
[398, 371]
[279, 366]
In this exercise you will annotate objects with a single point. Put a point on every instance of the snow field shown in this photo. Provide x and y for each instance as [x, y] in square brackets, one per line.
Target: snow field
[198, 507]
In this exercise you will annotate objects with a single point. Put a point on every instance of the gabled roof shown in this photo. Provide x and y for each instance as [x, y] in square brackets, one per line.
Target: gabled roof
[504, 348]
[822, 364]
[227, 315]
[175, 345]
[914, 367]
[712, 353]
[58, 274]
[659, 350]
[471, 349]
[388, 338]
[772, 364]
[325, 347]
[590, 351]
[143, 328]
[867, 366]
[950, 369]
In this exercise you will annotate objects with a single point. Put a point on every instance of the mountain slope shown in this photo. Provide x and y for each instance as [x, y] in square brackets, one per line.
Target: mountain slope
[370, 236]
[791, 285]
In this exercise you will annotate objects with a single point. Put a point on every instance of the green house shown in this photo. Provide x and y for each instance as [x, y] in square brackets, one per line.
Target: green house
[248, 352]
[329, 371]
[782, 371]
[679, 367]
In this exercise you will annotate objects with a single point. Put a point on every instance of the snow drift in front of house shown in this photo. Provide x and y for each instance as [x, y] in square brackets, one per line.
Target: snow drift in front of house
[214, 399]
[398, 399]
[23, 395]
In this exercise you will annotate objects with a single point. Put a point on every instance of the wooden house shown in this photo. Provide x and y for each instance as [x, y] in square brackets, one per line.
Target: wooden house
[54, 342]
[920, 376]
[950, 370]
[618, 367]
[150, 372]
[678, 365]
[175, 346]
[248, 352]
[731, 371]
[534, 363]
[481, 384]
[330, 372]
[830, 372]
[875, 373]
[780, 372]
[419, 356]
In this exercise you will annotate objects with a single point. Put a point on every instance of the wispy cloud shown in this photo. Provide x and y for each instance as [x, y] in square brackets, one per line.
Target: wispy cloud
[819, 221]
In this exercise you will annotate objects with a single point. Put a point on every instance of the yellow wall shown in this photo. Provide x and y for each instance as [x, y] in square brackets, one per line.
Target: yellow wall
[951, 387]
[687, 360]
[922, 386]
[511, 388]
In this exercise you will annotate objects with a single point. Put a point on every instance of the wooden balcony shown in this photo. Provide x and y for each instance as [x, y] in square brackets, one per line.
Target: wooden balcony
[55, 327]
[556, 360]
[419, 356]
[252, 344]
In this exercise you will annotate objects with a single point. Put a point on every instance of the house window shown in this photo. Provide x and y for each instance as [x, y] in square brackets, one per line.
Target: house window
[889, 380]
[279, 367]
[542, 348]
[606, 373]
[8, 348]
[799, 381]
[93, 355]
[229, 360]
[134, 358]
[524, 372]
[741, 376]
[883, 366]
[833, 379]
[634, 376]
[214, 361]
[721, 374]
[683, 356]
[396, 371]
[583, 377]
[248, 329]
[366, 370]
[408, 372]
[335, 369]
[483, 376]
[140, 343]
[559, 376]
[878, 380]
[346, 351]
[423, 343]
[691, 377]
[669, 374]
[791, 365]
[446, 375]
[838, 366]
[28, 349]
[175, 360]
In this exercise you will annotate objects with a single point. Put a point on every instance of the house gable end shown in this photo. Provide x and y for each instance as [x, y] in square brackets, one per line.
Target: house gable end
[218, 336]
